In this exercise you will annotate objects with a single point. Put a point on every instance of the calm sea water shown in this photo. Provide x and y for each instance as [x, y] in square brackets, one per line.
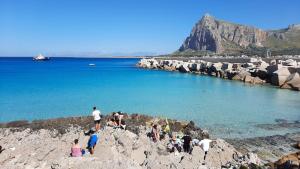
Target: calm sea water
[70, 87]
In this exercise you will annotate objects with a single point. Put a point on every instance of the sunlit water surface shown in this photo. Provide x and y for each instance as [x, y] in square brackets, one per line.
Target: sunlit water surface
[70, 87]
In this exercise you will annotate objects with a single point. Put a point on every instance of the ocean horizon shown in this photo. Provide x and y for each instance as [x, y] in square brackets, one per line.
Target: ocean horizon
[69, 86]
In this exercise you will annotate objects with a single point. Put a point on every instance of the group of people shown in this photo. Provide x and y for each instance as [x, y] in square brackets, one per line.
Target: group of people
[184, 143]
[177, 143]
[116, 121]
[76, 150]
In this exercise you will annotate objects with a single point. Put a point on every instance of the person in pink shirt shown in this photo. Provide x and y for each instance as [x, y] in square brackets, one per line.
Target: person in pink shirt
[76, 150]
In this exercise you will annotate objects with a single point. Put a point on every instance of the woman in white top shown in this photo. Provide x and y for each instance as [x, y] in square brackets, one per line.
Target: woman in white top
[96, 114]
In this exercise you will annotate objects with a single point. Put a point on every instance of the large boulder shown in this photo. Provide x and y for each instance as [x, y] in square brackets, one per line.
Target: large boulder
[195, 67]
[184, 68]
[294, 81]
[236, 66]
[262, 73]
[218, 66]
[253, 80]
[248, 79]
[227, 66]
[241, 75]
[248, 65]
[263, 65]
[273, 62]
[169, 68]
[290, 62]
[272, 68]
[291, 161]
[203, 66]
[279, 77]
[253, 60]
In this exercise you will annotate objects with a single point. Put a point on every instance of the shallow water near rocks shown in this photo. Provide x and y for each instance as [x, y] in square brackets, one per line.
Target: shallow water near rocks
[65, 87]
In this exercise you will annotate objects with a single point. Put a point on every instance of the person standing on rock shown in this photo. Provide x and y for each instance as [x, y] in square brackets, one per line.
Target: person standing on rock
[155, 133]
[205, 144]
[96, 114]
[187, 141]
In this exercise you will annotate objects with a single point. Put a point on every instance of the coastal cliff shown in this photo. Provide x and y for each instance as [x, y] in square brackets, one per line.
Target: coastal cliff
[211, 35]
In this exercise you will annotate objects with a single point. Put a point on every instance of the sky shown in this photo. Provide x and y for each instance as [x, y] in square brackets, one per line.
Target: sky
[123, 27]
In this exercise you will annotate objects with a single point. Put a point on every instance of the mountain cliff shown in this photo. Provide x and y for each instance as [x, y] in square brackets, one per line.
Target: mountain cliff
[216, 36]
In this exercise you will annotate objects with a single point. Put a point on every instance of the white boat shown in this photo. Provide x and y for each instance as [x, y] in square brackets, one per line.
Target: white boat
[40, 57]
[92, 64]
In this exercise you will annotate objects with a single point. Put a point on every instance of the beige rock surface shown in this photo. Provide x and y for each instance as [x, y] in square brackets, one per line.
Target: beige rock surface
[115, 149]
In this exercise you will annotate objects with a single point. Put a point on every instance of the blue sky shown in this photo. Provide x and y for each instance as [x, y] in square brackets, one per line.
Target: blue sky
[123, 27]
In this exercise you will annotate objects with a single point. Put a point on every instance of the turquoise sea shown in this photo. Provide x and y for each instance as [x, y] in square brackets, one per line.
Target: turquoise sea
[65, 87]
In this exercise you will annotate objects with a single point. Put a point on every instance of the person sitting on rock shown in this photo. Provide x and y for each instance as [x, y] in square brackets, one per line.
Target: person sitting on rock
[187, 142]
[92, 142]
[76, 150]
[155, 133]
[123, 124]
[205, 145]
[175, 144]
[111, 123]
[118, 116]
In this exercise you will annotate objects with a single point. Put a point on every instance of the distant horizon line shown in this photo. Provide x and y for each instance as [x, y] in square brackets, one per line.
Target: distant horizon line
[90, 57]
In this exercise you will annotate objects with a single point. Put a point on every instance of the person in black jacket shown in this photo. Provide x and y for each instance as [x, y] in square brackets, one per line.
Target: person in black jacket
[187, 141]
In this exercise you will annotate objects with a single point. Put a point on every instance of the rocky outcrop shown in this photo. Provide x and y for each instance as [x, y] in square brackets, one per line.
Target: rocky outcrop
[217, 36]
[291, 161]
[26, 147]
[210, 34]
[284, 74]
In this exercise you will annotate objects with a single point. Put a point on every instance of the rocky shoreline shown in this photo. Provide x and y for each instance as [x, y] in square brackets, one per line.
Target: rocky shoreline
[46, 144]
[284, 74]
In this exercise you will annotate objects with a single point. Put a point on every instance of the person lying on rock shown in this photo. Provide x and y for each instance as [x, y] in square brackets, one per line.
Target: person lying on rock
[187, 142]
[92, 142]
[76, 150]
[155, 132]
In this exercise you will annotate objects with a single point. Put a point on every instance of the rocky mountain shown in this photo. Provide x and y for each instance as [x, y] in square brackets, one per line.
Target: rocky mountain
[221, 37]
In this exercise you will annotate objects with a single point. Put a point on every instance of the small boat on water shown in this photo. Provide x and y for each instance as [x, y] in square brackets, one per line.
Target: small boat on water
[40, 57]
[92, 64]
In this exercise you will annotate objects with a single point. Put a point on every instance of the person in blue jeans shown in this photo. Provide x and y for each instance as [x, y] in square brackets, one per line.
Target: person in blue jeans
[92, 142]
